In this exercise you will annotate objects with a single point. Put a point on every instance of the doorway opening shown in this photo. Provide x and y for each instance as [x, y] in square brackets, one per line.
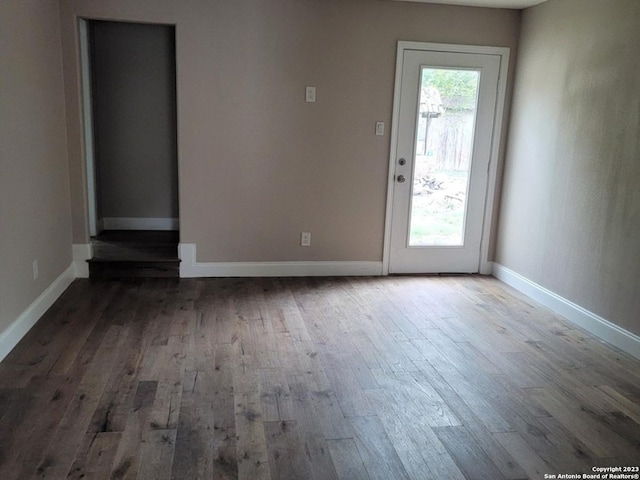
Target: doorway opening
[130, 118]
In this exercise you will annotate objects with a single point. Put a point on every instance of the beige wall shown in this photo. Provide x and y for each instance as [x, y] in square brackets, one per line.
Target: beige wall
[570, 217]
[257, 165]
[134, 101]
[35, 221]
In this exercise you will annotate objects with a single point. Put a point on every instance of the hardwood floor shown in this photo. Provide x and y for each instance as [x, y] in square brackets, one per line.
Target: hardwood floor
[312, 378]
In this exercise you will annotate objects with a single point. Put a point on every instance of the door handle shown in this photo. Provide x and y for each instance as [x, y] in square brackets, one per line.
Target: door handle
[401, 179]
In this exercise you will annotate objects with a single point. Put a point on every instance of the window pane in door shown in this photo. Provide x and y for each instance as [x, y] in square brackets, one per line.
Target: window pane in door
[442, 162]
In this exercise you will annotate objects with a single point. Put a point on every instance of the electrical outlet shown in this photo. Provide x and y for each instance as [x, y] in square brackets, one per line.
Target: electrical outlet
[35, 269]
[305, 239]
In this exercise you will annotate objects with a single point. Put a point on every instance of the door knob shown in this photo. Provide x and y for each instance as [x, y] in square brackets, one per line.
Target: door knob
[401, 179]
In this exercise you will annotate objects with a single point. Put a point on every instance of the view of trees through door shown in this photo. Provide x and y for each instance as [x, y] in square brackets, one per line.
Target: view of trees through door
[444, 145]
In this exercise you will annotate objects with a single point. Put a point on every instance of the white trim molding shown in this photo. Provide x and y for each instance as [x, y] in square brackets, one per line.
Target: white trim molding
[190, 268]
[600, 327]
[87, 126]
[10, 337]
[81, 253]
[135, 223]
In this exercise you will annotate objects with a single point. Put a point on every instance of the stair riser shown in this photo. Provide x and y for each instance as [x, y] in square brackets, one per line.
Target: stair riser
[99, 269]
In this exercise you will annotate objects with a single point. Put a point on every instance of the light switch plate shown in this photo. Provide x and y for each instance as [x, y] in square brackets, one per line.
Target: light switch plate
[310, 94]
[380, 129]
[305, 239]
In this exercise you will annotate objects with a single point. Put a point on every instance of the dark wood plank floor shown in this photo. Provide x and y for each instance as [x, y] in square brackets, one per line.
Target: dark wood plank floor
[348, 378]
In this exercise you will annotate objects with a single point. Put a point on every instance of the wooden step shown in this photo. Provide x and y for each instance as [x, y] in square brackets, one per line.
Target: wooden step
[100, 268]
[120, 253]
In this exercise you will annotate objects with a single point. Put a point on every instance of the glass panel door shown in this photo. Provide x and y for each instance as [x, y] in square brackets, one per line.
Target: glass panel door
[443, 153]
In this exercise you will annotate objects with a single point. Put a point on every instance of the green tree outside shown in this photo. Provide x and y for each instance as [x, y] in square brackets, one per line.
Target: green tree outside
[457, 87]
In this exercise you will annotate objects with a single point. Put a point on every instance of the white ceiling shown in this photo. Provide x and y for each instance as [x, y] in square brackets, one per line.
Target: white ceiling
[485, 3]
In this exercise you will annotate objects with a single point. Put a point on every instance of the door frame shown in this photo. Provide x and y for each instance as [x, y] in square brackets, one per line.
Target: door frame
[485, 266]
[87, 122]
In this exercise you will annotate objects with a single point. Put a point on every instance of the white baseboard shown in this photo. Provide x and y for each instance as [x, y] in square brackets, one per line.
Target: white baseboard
[189, 267]
[81, 253]
[600, 327]
[10, 337]
[123, 223]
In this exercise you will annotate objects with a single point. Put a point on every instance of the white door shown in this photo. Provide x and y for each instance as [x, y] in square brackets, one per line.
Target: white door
[444, 129]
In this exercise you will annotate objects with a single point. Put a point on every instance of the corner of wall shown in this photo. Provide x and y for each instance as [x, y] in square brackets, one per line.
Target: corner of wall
[598, 326]
[10, 337]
